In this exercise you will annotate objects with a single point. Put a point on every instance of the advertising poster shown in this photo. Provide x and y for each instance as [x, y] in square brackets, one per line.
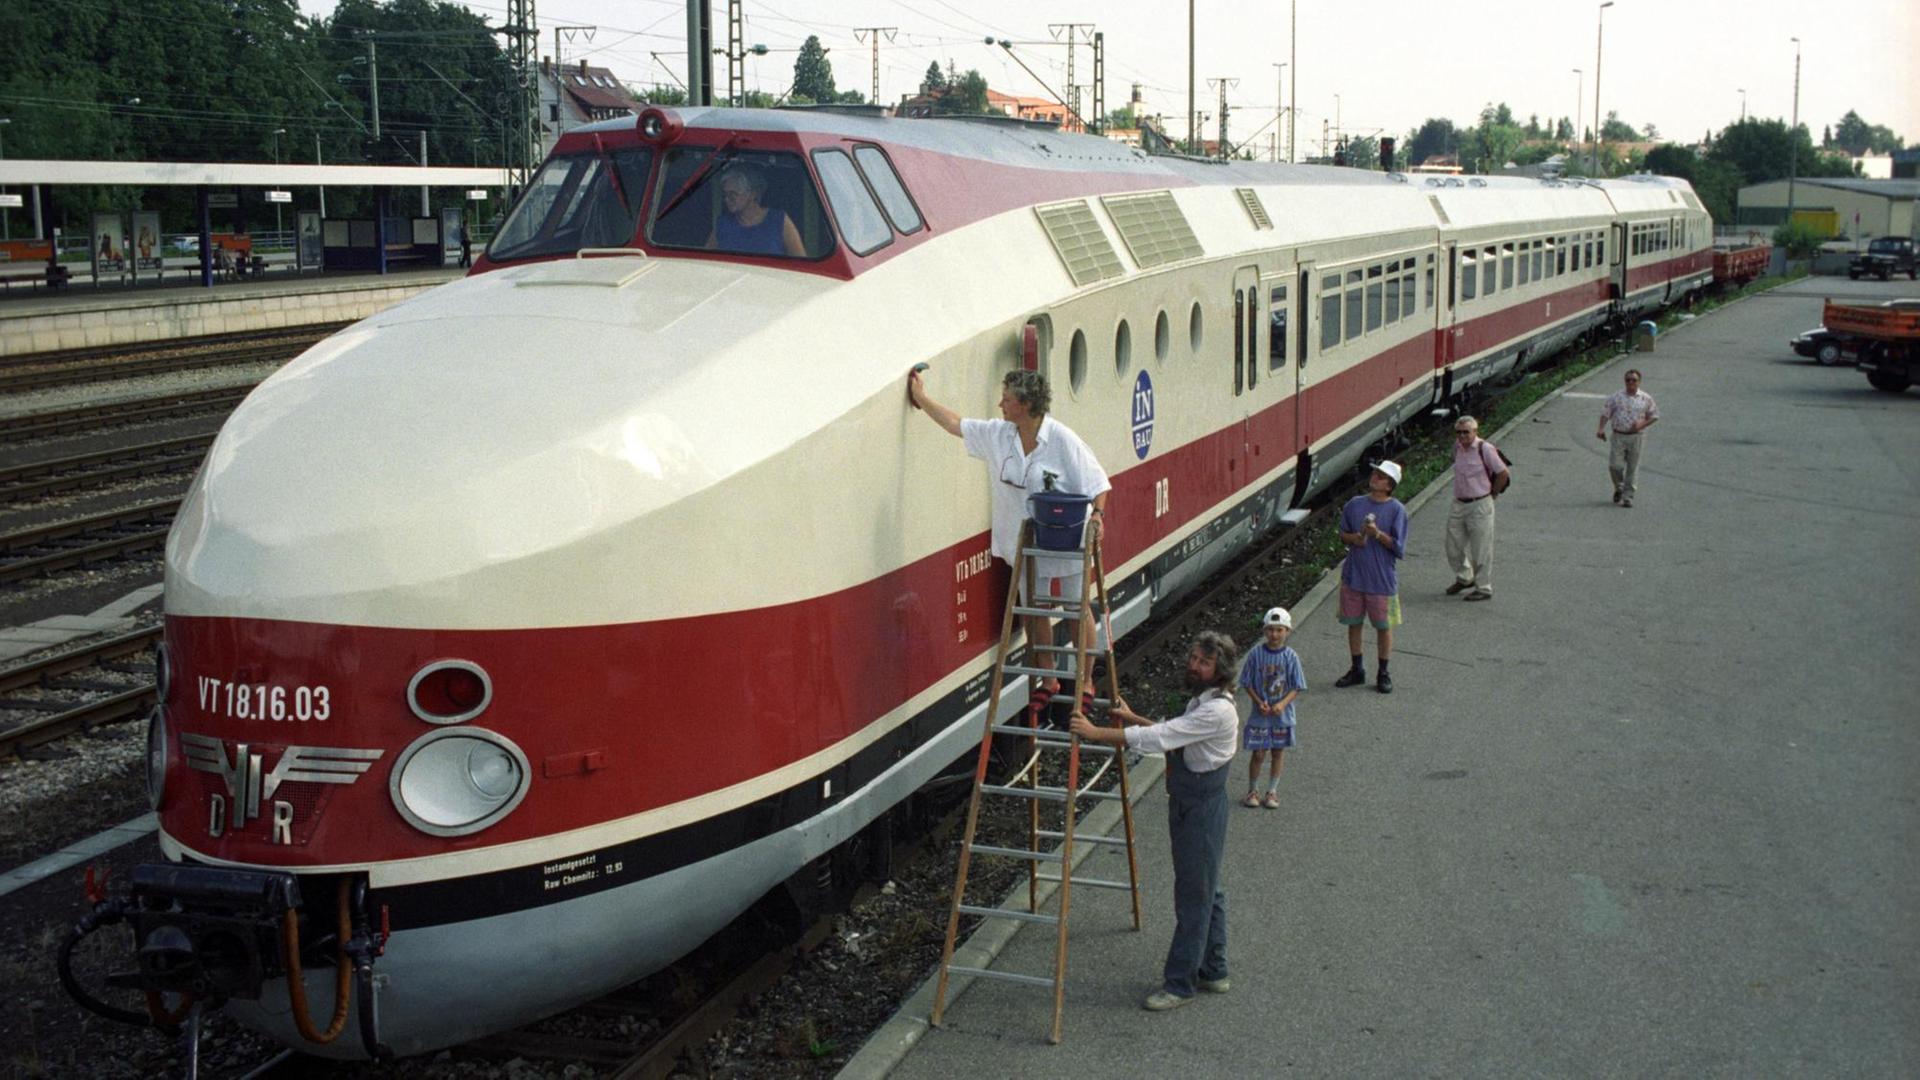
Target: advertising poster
[307, 252]
[109, 246]
[146, 244]
[450, 231]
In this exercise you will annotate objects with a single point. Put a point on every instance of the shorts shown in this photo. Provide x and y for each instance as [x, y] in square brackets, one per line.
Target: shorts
[1380, 609]
[1266, 733]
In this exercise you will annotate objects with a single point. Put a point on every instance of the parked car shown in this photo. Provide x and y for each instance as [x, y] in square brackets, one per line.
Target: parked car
[1885, 257]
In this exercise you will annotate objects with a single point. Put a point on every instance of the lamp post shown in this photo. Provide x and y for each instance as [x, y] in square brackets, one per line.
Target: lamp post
[1743, 104]
[1599, 40]
[1793, 133]
[278, 224]
[1279, 108]
[1579, 106]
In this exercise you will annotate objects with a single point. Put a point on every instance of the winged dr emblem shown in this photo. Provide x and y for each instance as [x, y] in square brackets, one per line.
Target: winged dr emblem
[247, 784]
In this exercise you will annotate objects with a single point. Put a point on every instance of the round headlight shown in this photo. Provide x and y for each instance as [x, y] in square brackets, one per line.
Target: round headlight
[458, 781]
[449, 692]
[156, 755]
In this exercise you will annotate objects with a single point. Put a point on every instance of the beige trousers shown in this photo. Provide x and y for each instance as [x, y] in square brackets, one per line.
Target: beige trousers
[1623, 460]
[1470, 542]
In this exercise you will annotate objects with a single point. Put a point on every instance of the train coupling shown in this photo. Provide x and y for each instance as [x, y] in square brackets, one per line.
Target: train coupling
[208, 931]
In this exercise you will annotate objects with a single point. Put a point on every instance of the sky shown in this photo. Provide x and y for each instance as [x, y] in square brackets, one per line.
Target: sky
[1367, 67]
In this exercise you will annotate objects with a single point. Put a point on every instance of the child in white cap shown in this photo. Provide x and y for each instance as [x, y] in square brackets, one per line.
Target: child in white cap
[1273, 678]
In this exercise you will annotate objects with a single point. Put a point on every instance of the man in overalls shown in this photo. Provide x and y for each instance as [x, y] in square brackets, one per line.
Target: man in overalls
[1199, 745]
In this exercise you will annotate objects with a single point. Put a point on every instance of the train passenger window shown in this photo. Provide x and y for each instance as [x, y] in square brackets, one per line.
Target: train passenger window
[1374, 302]
[1600, 248]
[1489, 270]
[886, 184]
[1559, 258]
[1537, 254]
[1506, 266]
[1329, 311]
[744, 202]
[1525, 276]
[1239, 340]
[1430, 272]
[1407, 306]
[574, 202]
[1277, 335]
[1354, 294]
[1589, 259]
[1393, 294]
[861, 223]
[1469, 276]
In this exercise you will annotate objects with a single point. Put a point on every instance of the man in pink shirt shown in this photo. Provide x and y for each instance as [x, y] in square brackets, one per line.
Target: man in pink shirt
[1479, 476]
[1629, 412]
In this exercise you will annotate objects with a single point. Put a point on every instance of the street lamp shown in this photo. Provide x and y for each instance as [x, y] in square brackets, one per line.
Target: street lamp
[1793, 133]
[1579, 106]
[1743, 104]
[277, 223]
[1279, 108]
[1599, 39]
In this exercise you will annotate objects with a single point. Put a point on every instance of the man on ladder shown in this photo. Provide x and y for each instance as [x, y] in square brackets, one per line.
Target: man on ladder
[1199, 745]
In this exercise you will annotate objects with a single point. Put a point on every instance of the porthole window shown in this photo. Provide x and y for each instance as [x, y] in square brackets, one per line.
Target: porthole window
[1077, 360]
[1196, 329]
[1122, 348]
[1162, 338]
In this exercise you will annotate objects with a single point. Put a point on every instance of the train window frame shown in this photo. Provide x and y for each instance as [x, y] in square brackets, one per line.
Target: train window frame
[1539, 247]
[1506, 266]
[1469, 276]
[662, 173]
[1489, 271]
[1162, 337]
[1409, 295]
[1523, 274]
[1278, 318]
[1431, 270]
[1077, 353]
[1239, 341]
[1376, 303]
[857, 190]
[893, 186]
[1354, 293]
[1331, 298]
[1196, 328]
[575, 187]
[1122, 348]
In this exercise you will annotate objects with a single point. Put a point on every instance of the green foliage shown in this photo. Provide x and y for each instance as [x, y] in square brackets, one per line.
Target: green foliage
[1122, 119]
[935, 80]
[1618, 130]
[1434, 138]
[1563, 131]
[1858, 137]
[812, 73]
[1801, 240]
[965, 95]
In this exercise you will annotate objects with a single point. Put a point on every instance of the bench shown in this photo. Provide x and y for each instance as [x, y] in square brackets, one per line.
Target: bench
[31, 262]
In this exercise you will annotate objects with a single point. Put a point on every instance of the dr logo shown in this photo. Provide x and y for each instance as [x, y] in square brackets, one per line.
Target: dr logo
[1142, 416]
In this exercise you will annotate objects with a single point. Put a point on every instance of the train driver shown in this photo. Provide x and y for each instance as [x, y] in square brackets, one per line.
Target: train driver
[1027, 451]
[746, 225]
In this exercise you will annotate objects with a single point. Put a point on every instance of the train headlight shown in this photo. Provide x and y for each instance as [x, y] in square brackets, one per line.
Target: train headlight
[157, 755]
[459, 781]
[162, 671]
[449, 692]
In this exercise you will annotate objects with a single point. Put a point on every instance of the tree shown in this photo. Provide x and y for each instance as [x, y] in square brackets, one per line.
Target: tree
[1857, 137]
[965, 95]
[1617, 130]
[935, 81]
[812, 74]
[1432, 139]
[1122, 119]
[1651, 132]
[1564, 130]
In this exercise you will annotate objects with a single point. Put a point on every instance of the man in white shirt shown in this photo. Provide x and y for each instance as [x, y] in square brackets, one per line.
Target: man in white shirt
[1199, 745]
[1028, 451]
[1629, 413]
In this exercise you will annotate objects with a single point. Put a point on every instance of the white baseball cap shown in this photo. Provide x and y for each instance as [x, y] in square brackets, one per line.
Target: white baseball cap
[1392, 471]
[1278, 617]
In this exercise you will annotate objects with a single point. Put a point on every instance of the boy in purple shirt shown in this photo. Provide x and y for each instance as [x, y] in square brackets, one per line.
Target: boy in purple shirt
[1374, 528]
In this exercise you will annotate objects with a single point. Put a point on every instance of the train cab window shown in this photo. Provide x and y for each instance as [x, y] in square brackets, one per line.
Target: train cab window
[743, 202]
[1469, 276]
[1354, 293]
[1329, 311]
[1277, 328]
[886, 184]
[576, 201]
[861, 223]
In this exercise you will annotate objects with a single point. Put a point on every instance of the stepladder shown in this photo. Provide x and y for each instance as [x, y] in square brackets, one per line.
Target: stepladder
[1047, 780]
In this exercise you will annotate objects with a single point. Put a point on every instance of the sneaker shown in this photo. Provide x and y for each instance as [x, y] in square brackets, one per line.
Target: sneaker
[1162, 1000]
[1252, 800]
[1353, 677]
[1384, 684]
[1626, 504]
[1616, 494]
[1272, 801]
[1479, 596]
[1215, 986]
[1459, 587]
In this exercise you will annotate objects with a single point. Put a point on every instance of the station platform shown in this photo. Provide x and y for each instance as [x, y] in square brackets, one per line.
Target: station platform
[1648, 812]
[86, 318]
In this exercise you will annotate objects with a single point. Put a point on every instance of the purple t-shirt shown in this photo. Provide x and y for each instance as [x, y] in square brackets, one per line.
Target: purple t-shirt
[1370, 567]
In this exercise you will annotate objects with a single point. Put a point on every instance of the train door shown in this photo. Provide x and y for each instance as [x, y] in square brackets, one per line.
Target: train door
[1617, 261]
[1444, 329]
[1276, 430]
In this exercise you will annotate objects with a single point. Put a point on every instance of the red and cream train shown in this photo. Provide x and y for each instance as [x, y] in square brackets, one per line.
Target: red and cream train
[551, 618]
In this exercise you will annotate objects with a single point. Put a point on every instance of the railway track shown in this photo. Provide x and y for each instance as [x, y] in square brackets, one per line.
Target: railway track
[40, 371]
[46, 549]
[137, 411]
[102, 467]
[109, 704]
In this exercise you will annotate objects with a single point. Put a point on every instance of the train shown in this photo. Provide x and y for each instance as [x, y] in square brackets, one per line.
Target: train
[521, 636]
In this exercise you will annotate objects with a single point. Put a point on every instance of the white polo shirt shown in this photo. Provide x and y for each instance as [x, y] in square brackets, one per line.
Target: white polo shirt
[1209, 732]
[1057, 452]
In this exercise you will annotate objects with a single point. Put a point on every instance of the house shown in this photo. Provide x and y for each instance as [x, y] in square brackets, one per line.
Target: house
[580, 94]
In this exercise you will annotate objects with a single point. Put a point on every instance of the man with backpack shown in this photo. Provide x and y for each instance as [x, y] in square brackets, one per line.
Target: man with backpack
[1479, 476]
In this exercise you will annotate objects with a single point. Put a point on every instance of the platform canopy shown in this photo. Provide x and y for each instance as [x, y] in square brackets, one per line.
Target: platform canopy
[216, 174]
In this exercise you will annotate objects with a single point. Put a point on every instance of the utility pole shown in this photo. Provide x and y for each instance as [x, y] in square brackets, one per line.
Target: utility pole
[323, 187]
[1223, 84]
[1599, 40]
[373, 83]
[1579, 106]
[1279, 108]
[1293, 57]
[425, 208]
[559, 75]
[1072, 32]
[1793, 134]
[736, 55]
[859, 34]
[1193, 123]
[522, 120]
[1099, 82]
[699, 53]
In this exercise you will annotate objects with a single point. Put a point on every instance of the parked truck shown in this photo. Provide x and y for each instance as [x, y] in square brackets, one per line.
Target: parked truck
[1886, 337]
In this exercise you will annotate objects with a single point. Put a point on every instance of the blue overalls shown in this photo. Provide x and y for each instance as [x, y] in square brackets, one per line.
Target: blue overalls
[1197, 825]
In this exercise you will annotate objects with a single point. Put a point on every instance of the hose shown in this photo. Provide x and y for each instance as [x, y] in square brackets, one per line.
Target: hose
[296, 984]
[107, 913]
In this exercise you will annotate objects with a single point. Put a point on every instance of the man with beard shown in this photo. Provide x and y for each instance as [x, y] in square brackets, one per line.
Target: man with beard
[1199, 745]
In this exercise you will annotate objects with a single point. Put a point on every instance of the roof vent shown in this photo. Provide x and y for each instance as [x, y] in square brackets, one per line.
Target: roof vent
[1250, 199]
[1476, 182]
[1081, 245]
[1154, 229]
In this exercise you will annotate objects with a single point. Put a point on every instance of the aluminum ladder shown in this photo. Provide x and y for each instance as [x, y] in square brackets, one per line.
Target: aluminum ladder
[1026, 784]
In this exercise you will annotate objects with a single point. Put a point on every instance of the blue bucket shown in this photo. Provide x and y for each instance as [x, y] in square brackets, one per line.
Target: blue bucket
[1058, 519]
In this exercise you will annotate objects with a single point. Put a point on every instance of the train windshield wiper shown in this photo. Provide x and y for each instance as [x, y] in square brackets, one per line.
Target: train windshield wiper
[700, 175]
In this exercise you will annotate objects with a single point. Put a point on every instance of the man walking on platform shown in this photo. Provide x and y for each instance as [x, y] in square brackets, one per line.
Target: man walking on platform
[1629, 413]
[1479, 476]
[1199, 745]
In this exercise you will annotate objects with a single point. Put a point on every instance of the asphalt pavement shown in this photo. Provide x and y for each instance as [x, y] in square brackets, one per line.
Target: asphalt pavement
[1651, 811]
